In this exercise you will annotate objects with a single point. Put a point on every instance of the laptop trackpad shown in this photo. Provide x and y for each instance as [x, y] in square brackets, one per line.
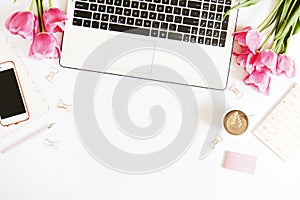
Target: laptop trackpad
[123, 55]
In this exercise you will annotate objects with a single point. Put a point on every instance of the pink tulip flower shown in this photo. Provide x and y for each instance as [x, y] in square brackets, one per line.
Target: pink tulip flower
[23, 24]
[44, 46]
[266, 61]
[285, 66]
[248, 37]
[54, 20]
[246, 59]
[259, 81]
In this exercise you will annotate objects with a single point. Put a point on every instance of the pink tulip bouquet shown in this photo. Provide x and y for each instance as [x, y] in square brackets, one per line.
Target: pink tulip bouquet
[40, 29]
[260, 59]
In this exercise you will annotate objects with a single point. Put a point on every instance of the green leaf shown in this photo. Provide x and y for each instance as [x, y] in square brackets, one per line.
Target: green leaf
[297, 28]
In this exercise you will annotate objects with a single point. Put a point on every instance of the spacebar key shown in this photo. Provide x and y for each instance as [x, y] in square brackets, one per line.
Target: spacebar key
[129, 29]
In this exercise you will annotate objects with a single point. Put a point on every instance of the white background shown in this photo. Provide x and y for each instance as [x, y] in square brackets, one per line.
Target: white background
[34, 171]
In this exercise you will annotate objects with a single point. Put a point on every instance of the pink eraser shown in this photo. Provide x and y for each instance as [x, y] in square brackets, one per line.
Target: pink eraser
[239, 162]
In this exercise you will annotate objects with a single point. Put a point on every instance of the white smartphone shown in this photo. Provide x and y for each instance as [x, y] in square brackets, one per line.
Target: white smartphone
[13, 108]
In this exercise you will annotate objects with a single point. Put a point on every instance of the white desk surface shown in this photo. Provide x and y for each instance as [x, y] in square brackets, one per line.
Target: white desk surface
[34, 171]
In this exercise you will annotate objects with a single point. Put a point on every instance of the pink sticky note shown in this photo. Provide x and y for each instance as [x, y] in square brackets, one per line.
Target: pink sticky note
[239, 162]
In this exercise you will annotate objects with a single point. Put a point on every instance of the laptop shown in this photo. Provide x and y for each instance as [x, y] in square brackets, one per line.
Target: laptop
[185, 42]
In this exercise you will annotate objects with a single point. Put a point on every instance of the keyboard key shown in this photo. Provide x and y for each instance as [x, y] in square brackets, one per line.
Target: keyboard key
[100, 1]
[155, 24]
[144, 14]
[201, 31]
[110, 2]
[165, 1]
[113, 18]
[129, 29]
[103, 25]
[205, 6]
[223, 35]
[228, 2]
[169, 9]
[193, 39]
[96, 16]
[178, 19]
[174, 2]
[221, 1]
[185, 12]
[200, 40]
[138, 22]
[194, 30]
[81, 5]
[209, 32]
[219, 17]
[222, 43]
[118, 2]
[215, 42]
[172, 27]
[147, 23]
[152, 15]
[130, 21]
[101, 8]
[220, 8]
[126, 3]
[143, 6]
[104, 17]
[177, 11]
[135, 13]
[77, 22]
[169, 18]
[157, 1]
[184, 29]
[213, 7]
[127, 12]
[211, 16]
[86, 23]
[186, 38]
[161, 17]
[160, 8]
[93, 7]
[119, 11]
[164, 26]
[210, 24]
[225, 23]
[135, 4]
[110, 9]
[154, 33]
[217, 25]
[203, 23]
[207, 41]
[216, 34]
[191, 21]
[182, 3]
[194, 4]
[204, 15]
[122, 20]
[195, 13]
[95, 24]
[152, 7]
[83, 14]
[162, 34]
[175, 36]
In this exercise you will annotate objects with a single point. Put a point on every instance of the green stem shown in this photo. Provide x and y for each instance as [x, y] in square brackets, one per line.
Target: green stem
[270, 16]
[39, 4]
[289, 38]
[31, 5]
[50, 4]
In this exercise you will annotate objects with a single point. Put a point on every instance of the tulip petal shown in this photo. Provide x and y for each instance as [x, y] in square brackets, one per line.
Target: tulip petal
[259, 81]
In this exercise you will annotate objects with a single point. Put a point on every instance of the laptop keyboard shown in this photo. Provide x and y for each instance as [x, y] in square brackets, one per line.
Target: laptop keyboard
[183, 20]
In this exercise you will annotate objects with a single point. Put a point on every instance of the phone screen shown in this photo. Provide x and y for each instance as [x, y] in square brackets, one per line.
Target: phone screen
[11, 102]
